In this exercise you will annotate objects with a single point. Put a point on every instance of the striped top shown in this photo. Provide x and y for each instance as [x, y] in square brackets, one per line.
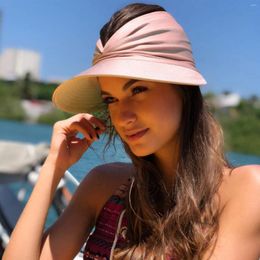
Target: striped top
[111, 227]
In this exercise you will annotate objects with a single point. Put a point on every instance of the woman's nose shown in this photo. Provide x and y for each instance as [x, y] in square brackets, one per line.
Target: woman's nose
[124, 114]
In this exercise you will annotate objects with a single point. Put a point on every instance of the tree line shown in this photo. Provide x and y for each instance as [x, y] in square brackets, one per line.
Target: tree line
[241, 124]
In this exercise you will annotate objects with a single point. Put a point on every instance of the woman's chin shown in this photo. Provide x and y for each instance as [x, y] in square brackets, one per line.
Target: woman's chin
[141, 152]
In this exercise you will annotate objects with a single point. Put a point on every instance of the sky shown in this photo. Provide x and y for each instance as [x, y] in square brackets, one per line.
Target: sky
[225, 36]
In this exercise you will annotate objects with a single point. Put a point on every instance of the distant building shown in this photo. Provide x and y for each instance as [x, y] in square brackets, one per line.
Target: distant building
[16, 63]
[36, 108]
[226, 100]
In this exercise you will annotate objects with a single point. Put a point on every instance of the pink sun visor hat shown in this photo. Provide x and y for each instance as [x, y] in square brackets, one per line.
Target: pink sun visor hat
[150, 47]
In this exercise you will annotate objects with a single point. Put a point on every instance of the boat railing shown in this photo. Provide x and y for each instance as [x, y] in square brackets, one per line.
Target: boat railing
[20, 164]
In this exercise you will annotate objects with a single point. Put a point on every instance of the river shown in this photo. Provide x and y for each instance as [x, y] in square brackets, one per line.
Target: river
[35, 133]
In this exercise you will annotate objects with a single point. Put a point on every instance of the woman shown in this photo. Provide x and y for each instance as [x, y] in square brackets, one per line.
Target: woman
[179, 198]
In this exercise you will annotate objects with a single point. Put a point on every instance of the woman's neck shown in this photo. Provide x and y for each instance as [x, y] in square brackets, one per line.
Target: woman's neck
[167, 161]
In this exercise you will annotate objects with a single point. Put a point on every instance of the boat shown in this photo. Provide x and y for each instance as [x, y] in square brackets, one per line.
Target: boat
[20, 164]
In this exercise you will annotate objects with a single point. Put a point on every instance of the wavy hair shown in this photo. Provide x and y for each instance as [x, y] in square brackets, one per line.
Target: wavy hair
[181, 223]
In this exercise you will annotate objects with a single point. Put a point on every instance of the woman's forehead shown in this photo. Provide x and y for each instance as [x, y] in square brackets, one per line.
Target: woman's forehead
[113, 82]
[109, 81]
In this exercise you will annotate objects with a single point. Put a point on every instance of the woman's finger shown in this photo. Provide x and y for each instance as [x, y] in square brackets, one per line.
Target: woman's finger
[86, 130]
[90, 128]
[90, 118]
[92, 124]
[97, 123]
[86, 124]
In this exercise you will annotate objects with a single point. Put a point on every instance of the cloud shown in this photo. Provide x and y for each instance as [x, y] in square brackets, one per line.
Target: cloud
[253, 5]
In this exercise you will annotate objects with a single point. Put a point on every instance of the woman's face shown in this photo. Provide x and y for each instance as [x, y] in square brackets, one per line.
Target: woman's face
[145, 114]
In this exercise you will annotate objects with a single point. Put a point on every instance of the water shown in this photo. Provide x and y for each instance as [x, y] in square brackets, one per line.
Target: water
[34, 133]
[238, 159]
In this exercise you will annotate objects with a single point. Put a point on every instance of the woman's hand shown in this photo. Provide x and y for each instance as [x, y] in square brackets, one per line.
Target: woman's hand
[66, 147]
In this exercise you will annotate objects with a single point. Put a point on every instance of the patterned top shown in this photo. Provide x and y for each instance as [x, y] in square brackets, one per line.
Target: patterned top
[110, 229]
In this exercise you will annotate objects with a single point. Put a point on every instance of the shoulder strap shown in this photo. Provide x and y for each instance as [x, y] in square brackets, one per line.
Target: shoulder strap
[117, 233]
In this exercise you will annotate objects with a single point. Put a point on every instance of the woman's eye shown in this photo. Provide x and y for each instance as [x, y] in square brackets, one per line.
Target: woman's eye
[138, 89]
[108, 100]
[135, 90]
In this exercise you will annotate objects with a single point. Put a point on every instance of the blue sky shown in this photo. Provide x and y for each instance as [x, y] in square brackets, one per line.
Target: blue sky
[225, 36]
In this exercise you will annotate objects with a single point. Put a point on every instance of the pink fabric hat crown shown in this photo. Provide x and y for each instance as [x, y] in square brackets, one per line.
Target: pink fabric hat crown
[150, 47]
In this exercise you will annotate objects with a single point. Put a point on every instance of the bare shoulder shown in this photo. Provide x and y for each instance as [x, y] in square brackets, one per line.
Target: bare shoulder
[239, 223]
[245, 181]
[242, 181]
[101, 182]
[111, 174]
[246, 171]
[242, 191]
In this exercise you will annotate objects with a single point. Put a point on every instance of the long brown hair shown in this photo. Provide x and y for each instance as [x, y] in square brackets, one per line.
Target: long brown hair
[184, 222]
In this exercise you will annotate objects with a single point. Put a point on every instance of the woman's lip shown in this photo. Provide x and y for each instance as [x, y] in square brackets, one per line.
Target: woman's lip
[137, 135]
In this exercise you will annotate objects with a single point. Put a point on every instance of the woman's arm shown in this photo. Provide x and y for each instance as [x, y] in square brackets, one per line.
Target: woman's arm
[65, 238]
[66, 148]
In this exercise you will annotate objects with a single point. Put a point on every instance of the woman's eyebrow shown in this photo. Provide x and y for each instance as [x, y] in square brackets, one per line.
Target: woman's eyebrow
[127, 85]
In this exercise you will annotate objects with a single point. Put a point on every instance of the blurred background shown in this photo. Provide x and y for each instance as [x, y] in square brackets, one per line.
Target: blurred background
[43, 43]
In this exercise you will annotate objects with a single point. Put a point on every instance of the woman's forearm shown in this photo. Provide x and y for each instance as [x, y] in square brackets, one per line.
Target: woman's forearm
[26, 239]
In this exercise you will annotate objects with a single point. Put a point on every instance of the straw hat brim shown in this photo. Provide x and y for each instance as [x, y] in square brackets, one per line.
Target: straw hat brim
[81, 94]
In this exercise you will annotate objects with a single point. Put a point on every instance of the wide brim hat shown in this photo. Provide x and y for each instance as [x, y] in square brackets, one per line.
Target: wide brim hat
[151, 47]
